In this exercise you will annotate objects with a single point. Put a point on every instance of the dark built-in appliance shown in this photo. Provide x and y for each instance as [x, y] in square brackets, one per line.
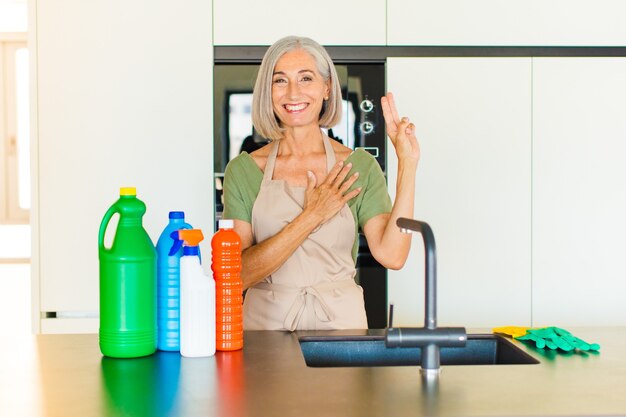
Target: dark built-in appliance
[362, 126]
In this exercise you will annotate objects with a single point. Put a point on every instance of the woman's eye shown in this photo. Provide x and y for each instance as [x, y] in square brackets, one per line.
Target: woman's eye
[279, 80]
[307, 78]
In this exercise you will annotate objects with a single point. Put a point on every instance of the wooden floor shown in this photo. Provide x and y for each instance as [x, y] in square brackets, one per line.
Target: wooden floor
[15, 299]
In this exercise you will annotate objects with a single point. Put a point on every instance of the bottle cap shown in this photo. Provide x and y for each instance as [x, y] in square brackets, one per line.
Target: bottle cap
[226, 224]
[132, 191]
[177, 214]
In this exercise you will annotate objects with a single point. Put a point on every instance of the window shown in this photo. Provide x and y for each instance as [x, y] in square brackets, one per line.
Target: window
[14, 148]
[14, 130]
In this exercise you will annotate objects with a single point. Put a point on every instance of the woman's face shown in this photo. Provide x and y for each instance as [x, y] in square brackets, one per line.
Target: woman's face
[298, 89]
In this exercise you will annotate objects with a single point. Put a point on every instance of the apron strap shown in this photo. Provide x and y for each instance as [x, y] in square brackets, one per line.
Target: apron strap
[271, 161]
[330, 154]
[322, 311]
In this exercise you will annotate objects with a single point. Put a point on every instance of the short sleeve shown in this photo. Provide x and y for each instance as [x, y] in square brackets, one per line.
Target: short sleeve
[374, 198]
[242, 181]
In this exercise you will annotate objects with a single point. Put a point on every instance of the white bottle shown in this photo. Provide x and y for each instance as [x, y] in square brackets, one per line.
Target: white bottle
[197, 300]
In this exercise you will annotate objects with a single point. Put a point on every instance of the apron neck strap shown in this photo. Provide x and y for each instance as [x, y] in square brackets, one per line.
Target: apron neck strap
[271, 160]
[330, 154]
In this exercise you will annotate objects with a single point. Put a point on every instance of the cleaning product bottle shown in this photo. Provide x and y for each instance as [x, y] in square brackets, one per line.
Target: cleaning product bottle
[197, 300]
[226, 267]
[168, 283]
[128, 325]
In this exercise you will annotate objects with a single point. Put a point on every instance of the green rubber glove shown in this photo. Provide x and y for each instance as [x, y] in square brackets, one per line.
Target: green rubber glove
[572, 340]
[557, 338]
[538, 337]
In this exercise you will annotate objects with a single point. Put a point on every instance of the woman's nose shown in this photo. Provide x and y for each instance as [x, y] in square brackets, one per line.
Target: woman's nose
[293, 90]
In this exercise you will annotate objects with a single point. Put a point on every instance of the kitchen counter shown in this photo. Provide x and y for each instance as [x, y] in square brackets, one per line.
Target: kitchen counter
[65, 375]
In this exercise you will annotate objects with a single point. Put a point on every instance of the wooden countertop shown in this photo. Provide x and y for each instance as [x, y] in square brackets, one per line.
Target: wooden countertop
[65, 375]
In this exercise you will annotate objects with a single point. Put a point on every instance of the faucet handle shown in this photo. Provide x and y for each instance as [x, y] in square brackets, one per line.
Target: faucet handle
[390, 321]
[420, 337]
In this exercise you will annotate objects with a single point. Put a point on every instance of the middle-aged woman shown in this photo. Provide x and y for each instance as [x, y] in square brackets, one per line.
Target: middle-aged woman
[298, 202]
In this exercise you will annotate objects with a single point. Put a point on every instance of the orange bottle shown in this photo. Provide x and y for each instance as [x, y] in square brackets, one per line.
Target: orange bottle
[226, 267]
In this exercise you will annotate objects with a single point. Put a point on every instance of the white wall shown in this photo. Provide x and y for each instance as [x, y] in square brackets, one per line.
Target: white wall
[124, 98]
[473, 118]
[512, 23]
[579, 189]
[424, 22]
[575, 271]
[13, 17]
[522, 179]
[329, 22]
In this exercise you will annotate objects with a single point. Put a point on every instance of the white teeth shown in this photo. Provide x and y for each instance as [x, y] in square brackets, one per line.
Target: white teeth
[295, 107]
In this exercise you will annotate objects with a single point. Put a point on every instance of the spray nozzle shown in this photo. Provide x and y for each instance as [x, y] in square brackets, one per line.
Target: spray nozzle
[191, 237]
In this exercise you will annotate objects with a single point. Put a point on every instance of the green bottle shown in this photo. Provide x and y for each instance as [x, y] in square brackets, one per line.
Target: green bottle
[128, 320]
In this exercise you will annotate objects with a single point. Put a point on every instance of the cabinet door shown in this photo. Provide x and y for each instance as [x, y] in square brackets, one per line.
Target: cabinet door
[329, 22]
[511, 23]
[473, 119]
[117, 106]
[579, 191]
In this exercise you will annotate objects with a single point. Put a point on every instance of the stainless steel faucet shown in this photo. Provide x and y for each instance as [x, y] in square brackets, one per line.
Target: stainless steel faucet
[430, 338]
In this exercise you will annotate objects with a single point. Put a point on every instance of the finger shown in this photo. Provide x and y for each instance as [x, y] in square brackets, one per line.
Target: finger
[311, 181]
[345, 186]
[338, 180]
[403, 129]
[387, 113]
[392, 106]
[349, 196]
[334, 171]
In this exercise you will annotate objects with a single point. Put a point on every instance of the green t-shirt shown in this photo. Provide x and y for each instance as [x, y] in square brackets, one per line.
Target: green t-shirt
[242, 181]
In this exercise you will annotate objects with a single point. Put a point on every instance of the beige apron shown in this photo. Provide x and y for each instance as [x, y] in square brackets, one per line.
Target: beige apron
[315, 288]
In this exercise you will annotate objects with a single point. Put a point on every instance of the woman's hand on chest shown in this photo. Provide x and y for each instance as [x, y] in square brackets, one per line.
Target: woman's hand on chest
[326, 198]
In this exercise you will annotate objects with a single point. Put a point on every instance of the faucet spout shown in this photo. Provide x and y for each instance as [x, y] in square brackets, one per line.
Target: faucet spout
[430, 267]
[429, 338]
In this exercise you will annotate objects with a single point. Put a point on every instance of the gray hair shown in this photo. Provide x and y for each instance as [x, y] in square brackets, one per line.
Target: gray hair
[263, 117]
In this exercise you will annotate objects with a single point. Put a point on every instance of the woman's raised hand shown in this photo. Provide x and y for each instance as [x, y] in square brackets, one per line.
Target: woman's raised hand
[326, 199]
[400, 130]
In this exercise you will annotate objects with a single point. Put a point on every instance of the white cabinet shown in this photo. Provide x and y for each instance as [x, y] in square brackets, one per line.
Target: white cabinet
[511, 23]
[579, 191]
[473, 119]
[329, 22]
[124, 98]
[523, 182]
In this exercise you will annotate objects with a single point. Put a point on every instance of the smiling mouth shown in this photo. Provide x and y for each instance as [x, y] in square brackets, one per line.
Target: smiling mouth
[294, 108]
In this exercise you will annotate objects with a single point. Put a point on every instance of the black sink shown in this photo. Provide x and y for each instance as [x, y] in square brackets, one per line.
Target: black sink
[337, 351]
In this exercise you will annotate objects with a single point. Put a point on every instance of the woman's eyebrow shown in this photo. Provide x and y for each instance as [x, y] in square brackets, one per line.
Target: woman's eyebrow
[299, 72]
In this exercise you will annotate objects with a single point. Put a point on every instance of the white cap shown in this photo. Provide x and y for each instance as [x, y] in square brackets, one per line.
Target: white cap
[226, 223]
